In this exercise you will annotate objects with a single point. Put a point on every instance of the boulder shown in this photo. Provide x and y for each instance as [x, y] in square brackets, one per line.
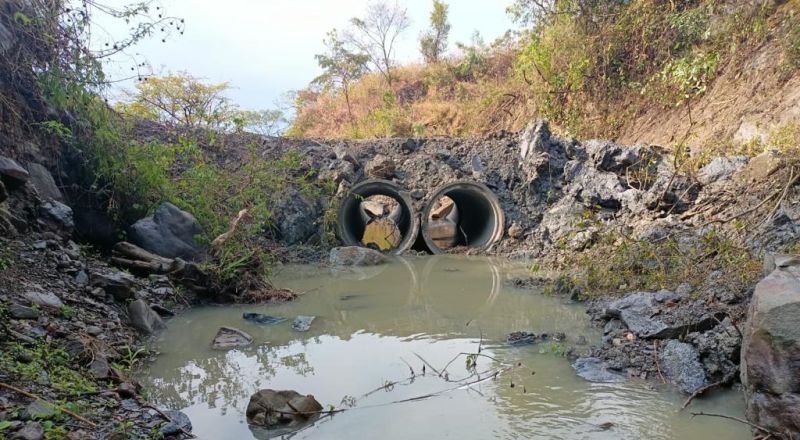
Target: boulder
[119, 285]
[608, 156]
[11, 173]
[57, 215]
[169, 232]
[44, 183]
[294, 215]
[180, 423]
[44, 299]
[761, 166]
[31, 431]
[720, 168]
[281, 409]
[595, 370]
[680, 363]
[642, 314]
[380, 167]
[356, 256]
[536, 137]
[18, 311]
[230, 337]
[144, 318]
[770, 355]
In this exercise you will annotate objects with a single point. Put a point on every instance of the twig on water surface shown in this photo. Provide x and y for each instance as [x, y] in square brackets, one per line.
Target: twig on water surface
[725, 380]
[409, 366]
[429, 365]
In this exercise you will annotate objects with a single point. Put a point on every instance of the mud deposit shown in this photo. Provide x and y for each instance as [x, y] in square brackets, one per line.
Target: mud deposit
[373, 325]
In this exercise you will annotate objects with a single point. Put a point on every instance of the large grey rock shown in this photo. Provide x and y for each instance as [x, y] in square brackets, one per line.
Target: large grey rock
[44, 182]
[118, 284]
[641, 313]
[608, 156]
[12, 173]
[294, 216]
[281, 410]
[720, 168]
[169, 232]
[143, 318]
[356, 256]
[180, 423]
[680, 363]
[536, 137]
[595, 370]
[770, 360]
[31, 431]
[18, 311]
[57, 215]
[229, 337]
[593, 186]
[44, 299]
[380, 167]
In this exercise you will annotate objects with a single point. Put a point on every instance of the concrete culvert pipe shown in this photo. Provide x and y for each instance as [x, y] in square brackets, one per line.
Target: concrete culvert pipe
[475, 217]
[355, 215]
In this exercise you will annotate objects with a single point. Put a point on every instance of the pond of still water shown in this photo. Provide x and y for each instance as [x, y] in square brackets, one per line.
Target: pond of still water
[374, 325]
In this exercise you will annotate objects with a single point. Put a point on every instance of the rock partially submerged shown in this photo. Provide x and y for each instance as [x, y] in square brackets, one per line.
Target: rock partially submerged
[229, 337]
[144, 318]
[596, 370]
[261, 318]
[356, 256]
[681, 365]
[302, 323]
[281, 411]
[771, 352]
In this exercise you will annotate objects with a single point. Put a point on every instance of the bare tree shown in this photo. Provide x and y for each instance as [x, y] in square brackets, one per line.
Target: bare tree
[376, 33]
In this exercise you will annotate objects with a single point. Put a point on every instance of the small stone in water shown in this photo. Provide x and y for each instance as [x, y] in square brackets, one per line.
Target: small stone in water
[521, 338]
[263, 319]
[302, 323]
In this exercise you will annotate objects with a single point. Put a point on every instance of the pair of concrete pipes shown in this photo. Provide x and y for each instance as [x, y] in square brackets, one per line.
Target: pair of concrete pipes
[479, 218]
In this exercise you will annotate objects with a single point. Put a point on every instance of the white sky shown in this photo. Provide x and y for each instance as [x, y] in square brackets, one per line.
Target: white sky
[266, 47]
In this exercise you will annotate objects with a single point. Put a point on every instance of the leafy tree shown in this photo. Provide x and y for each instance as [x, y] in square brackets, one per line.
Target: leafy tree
[341, 68]
[376, 33]
[433, 42]
[181, 100]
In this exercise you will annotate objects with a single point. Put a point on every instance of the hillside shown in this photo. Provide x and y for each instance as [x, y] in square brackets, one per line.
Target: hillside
[705, 73]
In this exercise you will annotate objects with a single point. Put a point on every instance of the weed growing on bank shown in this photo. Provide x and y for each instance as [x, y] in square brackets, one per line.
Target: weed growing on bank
[617, 263]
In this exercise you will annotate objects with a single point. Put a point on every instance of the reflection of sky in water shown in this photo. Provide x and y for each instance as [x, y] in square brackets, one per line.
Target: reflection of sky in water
[371, 321]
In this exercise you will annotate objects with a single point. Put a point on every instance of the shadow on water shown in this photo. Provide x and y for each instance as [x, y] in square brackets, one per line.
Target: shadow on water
[371, 325]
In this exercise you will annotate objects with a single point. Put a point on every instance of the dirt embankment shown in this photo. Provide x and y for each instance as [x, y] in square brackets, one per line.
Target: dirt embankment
[749, 101]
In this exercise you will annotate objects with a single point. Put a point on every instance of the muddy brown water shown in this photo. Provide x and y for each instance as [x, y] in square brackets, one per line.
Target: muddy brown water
[373, 323]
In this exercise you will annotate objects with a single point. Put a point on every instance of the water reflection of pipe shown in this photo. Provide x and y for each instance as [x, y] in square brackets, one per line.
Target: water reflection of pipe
[491, 264]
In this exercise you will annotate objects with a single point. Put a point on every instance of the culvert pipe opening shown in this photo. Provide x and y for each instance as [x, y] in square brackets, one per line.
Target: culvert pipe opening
[377, 214]
[462, 214]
